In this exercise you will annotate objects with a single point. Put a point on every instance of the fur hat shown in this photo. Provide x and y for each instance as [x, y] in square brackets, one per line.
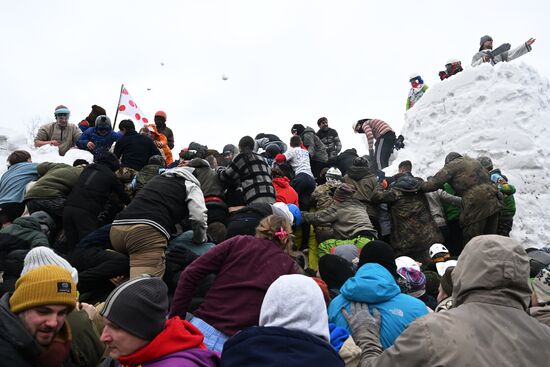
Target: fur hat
[44, 285]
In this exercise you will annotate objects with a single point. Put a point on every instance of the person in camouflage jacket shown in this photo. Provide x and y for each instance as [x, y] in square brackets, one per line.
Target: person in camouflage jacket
[365, 182]
[480, 199]
[414, 229]
[321, 199]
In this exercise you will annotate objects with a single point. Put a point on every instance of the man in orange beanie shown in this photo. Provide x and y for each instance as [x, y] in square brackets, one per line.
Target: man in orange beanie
[33, 331]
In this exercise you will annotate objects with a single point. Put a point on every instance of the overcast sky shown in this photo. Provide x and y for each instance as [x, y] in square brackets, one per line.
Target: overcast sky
[287, 61]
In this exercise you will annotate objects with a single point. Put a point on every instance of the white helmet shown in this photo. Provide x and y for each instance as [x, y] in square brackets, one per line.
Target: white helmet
[414, 76]
[406, 262]
[437, 248]
[333, 175]
[354, 126]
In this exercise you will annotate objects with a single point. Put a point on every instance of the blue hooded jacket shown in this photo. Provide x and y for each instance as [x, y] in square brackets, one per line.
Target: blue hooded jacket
[374, 285]
[102, 142]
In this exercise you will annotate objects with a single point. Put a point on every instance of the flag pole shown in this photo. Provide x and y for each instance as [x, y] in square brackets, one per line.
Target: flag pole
[118, 104]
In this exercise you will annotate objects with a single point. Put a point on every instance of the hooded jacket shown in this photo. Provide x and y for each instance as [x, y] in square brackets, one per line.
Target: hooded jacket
[14, 181]
[365, 183]
[315, 147]
[284, 192]
[179, 344]
[24, 233]
[348, 219]
[488, 324]
[373, 284]
[102, 142]
[344, 160]
[471, 182]
[95, 184]
[293, 314]
[211, 186]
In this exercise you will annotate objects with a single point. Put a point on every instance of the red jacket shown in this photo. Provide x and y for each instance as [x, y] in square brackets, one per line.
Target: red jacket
[284, 192]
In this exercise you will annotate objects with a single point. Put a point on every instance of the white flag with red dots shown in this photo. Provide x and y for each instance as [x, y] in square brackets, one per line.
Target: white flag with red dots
[128, 106]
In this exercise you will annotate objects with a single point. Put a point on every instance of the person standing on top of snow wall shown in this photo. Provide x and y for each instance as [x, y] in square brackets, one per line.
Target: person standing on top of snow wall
[486, 47]
[418, 88]
[385, 139]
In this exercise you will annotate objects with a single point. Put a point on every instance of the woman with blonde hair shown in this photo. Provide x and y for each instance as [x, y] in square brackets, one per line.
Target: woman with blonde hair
[245, 267]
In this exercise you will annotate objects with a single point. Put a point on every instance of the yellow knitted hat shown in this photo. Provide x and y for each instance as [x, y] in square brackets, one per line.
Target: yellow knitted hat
[45, 285]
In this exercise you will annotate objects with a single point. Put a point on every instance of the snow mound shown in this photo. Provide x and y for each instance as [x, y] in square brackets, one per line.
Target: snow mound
[501, 112]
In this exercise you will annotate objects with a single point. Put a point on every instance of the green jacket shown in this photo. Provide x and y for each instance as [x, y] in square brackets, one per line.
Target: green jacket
[452, 212]
[24, 229]
[509, 203]
[56, 181]
[348, 219]
[365, 184]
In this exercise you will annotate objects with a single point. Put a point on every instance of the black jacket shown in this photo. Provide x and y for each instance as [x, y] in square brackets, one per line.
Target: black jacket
[93, 188]
[276, 346]
[161, 203]
[17, 346]
[135, 150]
[344, 160]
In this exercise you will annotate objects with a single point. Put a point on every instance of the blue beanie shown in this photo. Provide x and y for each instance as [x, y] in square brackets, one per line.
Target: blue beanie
[295, 213]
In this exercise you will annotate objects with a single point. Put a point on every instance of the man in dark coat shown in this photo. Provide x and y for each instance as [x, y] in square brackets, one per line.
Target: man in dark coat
[480, 200]
[133, 149]
[33, 331]
[344, 160]
[329, 137]
[89, 196]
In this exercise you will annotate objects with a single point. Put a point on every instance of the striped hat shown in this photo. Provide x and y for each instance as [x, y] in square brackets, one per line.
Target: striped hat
[138, 306]
[45, 285]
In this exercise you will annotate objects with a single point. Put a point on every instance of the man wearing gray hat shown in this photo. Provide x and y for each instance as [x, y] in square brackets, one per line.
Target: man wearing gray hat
[137, 332]
[486, 48]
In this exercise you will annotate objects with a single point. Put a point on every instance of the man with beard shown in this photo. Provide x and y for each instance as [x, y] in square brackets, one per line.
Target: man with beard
[33, 331]
[329, 137]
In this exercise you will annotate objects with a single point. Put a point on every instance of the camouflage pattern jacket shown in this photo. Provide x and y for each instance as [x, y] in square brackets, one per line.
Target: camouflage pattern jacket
[480, 199]
[365, 183]
[413, 228]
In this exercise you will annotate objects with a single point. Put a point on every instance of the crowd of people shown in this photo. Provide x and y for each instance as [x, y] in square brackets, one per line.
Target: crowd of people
[266, 253]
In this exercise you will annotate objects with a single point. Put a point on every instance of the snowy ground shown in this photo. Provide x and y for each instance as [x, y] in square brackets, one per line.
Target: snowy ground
[499, 111]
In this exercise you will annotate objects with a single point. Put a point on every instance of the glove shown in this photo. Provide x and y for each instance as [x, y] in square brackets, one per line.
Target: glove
[371, 152]
[365, 327]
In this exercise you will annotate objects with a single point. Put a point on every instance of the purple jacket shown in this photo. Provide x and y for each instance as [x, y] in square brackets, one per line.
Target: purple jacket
[194, 357]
